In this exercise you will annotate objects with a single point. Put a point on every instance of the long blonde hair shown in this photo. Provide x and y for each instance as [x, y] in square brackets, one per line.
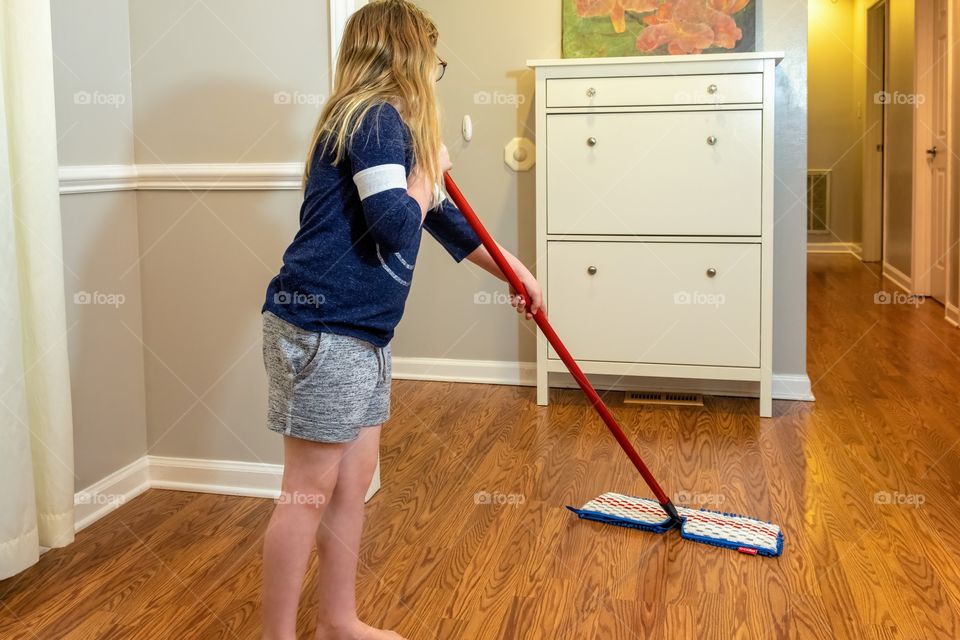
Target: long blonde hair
[387, 55]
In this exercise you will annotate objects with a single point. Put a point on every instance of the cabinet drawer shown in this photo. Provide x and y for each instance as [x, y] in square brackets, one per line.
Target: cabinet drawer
[663, 173]
[738, 88]
[655, 302]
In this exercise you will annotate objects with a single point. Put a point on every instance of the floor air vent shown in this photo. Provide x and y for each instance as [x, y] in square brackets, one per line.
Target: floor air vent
[663, 397]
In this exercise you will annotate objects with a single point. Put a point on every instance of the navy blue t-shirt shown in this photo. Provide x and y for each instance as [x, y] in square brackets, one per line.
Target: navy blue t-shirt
[349, 268]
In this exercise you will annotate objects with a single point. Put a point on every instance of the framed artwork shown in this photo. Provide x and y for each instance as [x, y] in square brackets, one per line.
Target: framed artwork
[605, 28]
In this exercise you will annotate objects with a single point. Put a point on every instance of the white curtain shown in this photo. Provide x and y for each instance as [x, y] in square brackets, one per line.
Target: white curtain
[36, 425]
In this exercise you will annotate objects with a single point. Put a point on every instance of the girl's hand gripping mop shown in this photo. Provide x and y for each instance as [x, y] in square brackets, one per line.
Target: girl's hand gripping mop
[746, 535]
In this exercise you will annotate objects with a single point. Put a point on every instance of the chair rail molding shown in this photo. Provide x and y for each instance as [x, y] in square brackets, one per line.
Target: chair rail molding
[269, 176]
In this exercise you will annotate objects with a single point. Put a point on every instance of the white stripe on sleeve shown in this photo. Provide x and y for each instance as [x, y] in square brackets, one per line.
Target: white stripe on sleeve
[380, 178]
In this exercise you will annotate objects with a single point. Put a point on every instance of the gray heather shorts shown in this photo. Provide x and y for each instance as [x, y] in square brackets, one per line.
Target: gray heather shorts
[322, 386]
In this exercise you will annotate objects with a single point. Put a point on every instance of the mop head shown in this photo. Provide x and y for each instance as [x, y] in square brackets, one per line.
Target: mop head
[746, 535]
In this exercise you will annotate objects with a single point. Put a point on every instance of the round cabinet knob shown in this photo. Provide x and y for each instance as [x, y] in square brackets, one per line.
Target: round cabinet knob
[712, 140]
[712, 89]
[592, 270]
[591, 92]
[711, 273]
[591, 142]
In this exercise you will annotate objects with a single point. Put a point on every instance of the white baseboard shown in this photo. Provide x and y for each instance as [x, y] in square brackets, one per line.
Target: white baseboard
[115, 490]
[853, 248]
[250, 479]
[898, 278]
[522, 374]
[785, 386]
[225, 477]
[953, 314]
[793, 387]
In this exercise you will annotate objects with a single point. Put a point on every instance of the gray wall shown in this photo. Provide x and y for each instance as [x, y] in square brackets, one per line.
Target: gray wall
[218, 82]
[207, 75]
[100, 238]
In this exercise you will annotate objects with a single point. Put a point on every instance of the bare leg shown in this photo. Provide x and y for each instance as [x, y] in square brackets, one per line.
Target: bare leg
[310, 472]
[338, 545]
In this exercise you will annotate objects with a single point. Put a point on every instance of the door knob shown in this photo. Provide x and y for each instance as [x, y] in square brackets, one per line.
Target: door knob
[591, 141]
[712, 140]
[592, 270]
[932, 151]
[711, 273]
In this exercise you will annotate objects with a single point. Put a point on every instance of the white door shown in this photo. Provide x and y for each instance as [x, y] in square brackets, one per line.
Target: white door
[938, 153]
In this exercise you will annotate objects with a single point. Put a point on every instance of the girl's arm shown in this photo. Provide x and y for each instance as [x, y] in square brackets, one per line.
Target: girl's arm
[482, 258]
[420, 189]
[394, 216]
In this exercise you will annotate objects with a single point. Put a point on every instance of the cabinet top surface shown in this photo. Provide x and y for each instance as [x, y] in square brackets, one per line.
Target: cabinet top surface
[709, 57]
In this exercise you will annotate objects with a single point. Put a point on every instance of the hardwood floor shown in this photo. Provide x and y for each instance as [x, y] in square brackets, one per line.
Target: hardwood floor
[864, 483]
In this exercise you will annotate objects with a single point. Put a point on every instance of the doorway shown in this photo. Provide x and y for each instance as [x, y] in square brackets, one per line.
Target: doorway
[873, 148]
[882, 134]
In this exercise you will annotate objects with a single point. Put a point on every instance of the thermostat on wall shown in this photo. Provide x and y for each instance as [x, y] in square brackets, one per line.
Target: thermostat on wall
[520, 154]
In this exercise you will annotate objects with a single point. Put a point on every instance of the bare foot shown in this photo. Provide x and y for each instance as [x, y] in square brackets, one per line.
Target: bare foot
[355, 630]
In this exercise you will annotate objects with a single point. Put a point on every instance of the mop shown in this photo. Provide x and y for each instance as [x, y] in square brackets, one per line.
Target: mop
[747, 535]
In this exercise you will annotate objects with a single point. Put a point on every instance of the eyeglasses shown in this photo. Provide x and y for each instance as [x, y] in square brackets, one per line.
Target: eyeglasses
[442, 69]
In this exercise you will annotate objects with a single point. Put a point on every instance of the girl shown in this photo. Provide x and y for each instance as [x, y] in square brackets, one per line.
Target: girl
[329, 315]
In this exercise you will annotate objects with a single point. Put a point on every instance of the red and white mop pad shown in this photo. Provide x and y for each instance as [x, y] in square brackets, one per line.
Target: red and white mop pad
[743, 534]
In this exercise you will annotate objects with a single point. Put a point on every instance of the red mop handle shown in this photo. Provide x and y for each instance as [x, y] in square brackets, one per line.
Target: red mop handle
[541, 319]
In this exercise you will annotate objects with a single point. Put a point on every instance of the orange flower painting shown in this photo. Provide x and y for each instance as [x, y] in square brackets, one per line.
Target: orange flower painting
[602, 28]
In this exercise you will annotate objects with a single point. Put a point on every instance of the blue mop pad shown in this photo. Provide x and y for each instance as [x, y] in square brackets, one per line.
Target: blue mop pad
[746, 535]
